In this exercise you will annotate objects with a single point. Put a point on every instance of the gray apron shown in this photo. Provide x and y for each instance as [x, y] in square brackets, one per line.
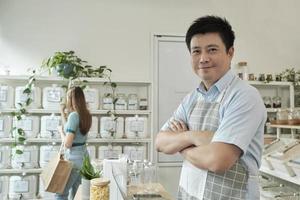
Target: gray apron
[201, 184]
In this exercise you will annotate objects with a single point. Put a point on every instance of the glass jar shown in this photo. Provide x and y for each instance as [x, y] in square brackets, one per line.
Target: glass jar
[121, 103]
[282, 116]
[107, 101]
[133, 102]
[276, 102]
[143, 104]
[261, 77]
[244, 70]
[294, 116]
[251, 77]
[269, 77]
[99, 189]
[267, 101]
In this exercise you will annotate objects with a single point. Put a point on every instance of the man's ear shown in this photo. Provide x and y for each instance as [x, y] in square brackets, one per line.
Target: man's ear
[231, 52]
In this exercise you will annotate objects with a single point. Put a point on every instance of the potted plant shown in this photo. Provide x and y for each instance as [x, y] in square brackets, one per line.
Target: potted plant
[88, 173]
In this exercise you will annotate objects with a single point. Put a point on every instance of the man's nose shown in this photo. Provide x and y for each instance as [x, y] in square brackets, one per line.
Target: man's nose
[204, 58]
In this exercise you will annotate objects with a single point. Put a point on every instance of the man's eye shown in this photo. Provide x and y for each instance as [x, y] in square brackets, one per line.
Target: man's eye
[212, 50]
[195, 51]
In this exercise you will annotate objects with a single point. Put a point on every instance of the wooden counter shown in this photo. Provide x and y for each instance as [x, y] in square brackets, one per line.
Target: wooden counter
[139, 189]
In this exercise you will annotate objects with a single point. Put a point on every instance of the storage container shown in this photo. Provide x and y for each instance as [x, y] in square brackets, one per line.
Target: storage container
[22, 187]
[109, 152]
[107, 102]
[28, 159]
[49, 126]
[5, 157]
[6, 97]
[136, 127]
[121, 103]
[5, 126]
[30, 124]
[110, 128]
[92, 152]
[92, 98]
[135, 152]
[133, 103]
[4, 187]
[52, 97]
[99, 189]
[281, 166]
[20, 97]
[43, 194]
[93, 133]
[46, 153]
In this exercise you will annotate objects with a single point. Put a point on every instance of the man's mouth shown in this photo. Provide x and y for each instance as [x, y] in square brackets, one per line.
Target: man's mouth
[205, 67]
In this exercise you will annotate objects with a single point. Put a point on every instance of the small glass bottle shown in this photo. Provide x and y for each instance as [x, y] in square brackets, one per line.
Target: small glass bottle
[244, 70]
[107, 101]
[99, 189]
[133, 102]
[276, 102]
[267, 101]
[121, 103]
[143, 104]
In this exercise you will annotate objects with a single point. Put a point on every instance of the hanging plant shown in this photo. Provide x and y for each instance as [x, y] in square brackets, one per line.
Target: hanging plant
[72, 69]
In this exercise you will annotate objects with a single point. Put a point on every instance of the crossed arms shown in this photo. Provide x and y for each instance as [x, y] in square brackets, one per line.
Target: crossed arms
[197, 148]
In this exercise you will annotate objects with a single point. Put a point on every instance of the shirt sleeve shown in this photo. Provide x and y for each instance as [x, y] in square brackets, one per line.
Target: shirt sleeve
[244, 118]
[182, 111]
[72, 123]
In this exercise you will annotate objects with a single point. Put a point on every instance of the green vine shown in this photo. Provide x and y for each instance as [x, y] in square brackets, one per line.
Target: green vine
[72, 69]
[291, 75]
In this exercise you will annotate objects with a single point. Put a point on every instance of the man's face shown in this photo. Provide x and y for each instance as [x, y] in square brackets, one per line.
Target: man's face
[210, 60]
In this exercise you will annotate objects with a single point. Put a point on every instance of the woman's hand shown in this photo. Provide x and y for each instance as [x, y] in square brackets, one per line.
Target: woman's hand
[178, 126]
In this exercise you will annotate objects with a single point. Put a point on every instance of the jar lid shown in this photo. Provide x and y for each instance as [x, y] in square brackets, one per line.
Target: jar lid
[100, 181]
[242, 63]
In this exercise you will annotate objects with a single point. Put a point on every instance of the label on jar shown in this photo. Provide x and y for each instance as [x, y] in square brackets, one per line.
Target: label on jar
[107, 103]
[25, 124]
[20, 186]
[52, 124]
[54, 95]
[22, 158]
[121, 104]
[90, 96]
[136, 126]
[132, 104]
[1, 124]
[110, 125]
[3, 93]
[24, 96]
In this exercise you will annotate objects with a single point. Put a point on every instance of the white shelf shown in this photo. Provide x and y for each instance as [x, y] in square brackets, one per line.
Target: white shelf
[52, 79]
[284, 126]
[295, 180]
[272, 110]
[271, 83]
[96, 140]
[46, 111]
[20, 171]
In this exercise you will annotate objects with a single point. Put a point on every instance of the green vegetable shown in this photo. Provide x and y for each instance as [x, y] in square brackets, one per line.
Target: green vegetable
[87, 171]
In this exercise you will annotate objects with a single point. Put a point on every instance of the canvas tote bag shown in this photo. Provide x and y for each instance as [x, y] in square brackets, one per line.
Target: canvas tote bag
[55, 174]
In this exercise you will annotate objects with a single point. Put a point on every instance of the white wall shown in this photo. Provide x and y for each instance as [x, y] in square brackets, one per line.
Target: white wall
[117, 33]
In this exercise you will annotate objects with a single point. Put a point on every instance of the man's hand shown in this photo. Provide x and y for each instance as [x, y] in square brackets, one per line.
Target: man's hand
[178, 126]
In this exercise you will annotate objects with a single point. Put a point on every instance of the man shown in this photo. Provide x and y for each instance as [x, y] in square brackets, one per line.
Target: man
[218, 127]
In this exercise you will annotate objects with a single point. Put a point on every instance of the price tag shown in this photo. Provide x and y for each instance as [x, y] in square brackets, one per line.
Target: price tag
[110, 125]
[89, 96]
[54, 95]
[21, 186]
[25, 124]
[52, 124]
[3, 94]
[136, 126]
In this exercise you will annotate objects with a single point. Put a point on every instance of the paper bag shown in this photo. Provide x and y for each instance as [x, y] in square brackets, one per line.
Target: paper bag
[55, 174]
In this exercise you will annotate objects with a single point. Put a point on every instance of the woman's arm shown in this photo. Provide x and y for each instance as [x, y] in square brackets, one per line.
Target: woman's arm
[67, 139]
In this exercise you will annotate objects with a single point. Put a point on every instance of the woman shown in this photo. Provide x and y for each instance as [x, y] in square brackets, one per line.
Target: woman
[74, 135]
